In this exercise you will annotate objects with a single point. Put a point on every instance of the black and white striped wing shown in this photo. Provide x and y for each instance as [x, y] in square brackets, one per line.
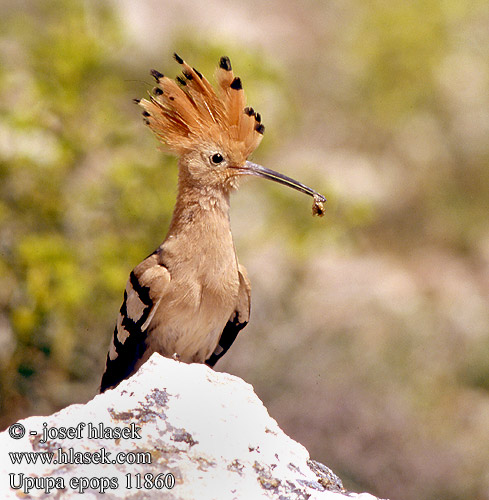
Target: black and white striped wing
[236, 322]
[144, 291]
[228, 336]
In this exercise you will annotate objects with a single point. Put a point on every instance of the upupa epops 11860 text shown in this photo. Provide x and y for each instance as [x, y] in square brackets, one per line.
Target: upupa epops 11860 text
[191, 297]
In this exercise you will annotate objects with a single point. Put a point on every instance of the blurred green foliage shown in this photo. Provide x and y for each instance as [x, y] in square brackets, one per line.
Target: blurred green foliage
[409, 84]
[72, 185]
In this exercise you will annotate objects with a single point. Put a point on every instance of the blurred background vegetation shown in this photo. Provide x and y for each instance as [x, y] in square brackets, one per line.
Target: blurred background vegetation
[369, 339]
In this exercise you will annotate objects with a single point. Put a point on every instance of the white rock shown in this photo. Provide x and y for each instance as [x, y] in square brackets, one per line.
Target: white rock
[204, 431]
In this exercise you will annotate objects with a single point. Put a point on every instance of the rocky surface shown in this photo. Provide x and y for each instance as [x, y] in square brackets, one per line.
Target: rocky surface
[173, 431]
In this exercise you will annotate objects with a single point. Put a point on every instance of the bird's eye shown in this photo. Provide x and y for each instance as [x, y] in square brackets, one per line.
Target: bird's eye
[217, 158]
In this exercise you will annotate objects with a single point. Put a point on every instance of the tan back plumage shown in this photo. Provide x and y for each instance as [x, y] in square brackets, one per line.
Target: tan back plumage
[187, 112]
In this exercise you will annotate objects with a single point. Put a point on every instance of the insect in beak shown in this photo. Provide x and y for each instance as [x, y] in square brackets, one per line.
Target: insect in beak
[250, 168]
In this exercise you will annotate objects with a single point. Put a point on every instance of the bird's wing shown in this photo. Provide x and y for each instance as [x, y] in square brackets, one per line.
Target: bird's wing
[144, 290]
[238, 320]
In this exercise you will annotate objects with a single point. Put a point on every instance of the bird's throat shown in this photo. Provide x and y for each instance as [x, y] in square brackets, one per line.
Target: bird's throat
[198, 207]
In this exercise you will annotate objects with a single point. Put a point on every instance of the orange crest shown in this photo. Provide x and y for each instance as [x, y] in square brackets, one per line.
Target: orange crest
[188, 112]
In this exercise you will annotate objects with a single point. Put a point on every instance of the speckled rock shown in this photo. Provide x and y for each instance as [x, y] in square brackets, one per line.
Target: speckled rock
[173, 431]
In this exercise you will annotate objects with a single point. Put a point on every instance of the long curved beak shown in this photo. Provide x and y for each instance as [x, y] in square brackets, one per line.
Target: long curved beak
[251, 168]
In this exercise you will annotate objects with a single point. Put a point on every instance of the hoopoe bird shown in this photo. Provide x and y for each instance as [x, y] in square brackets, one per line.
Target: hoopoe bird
[190, 298]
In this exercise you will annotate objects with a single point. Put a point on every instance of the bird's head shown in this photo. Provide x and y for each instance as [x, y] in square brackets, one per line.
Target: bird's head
[213, 133]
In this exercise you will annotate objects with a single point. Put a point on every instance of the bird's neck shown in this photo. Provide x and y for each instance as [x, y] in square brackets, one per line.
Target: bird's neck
[199, 245]
[199, 241]
[200, 209]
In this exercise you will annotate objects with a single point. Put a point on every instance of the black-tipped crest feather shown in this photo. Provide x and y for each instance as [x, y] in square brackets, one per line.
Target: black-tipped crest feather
[156, 74]
[188, 111]
[225, 63]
